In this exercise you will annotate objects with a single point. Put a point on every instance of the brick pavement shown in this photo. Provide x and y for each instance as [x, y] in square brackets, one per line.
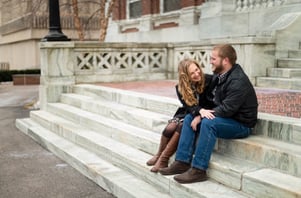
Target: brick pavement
[273, 101]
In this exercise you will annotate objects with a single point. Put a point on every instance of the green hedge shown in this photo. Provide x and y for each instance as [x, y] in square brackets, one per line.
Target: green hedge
[8, 74]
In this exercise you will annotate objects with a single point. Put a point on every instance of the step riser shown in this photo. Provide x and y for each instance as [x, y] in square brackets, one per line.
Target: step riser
[157, 104]
[289, 63]
[280, 83]
[280, 131]
[294, 54]
[257, 183]
[272, 158]
[284, 73]
[142, 119]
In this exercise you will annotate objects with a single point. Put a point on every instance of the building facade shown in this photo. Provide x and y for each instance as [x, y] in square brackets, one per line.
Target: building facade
[23, 24]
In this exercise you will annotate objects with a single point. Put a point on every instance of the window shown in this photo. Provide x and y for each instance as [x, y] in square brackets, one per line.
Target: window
[170, 5]
[134, 9]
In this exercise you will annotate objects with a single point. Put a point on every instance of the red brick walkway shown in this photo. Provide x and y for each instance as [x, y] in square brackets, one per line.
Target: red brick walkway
[273, 101]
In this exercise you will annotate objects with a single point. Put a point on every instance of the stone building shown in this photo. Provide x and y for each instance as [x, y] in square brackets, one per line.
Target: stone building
[24, 23]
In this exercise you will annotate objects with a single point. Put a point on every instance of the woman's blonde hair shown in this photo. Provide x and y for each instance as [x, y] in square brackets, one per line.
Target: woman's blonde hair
[185, 83]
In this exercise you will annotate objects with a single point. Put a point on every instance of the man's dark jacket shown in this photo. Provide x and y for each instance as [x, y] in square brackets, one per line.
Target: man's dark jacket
[235, 97]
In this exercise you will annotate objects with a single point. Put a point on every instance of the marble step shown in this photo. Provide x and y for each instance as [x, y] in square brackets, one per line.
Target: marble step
[226, 170]
[277, 127]
[133, 160]
[111, 178]
[274, 128]
[284, 72]
[269, 183]
[115, 129]
[159, 104]
[281, 83]
[294, 53]
[268, 152]
[138, 117]
[136, 136]
[289, 63]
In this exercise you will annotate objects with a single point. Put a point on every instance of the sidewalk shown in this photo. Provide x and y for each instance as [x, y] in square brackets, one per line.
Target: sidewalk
[27, 170]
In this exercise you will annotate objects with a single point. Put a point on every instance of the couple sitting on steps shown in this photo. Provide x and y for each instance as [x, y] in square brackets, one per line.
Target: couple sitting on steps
[222, 105]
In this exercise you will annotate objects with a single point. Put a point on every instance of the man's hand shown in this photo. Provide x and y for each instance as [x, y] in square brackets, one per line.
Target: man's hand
[207, 113]
[196, 120]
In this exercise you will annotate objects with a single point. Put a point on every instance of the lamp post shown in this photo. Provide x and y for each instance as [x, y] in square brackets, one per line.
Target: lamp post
[55, 32]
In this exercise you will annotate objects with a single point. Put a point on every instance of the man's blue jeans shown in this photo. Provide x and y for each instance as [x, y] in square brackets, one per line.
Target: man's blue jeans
[201, 143]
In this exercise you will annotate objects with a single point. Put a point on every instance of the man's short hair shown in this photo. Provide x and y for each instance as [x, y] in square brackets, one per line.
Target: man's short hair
[226, 51]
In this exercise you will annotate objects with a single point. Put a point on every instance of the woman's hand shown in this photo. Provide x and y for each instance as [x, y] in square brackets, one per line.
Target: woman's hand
[196, 120]
[206, 113]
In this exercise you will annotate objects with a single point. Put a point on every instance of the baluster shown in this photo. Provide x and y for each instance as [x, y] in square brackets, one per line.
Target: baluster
[278, 2]
[245, 5]
[270, 3]
[264, 3]
[238, 5]
[257, 3]
[251, 4]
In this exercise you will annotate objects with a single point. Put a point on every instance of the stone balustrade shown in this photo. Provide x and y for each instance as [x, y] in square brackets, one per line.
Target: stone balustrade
[64, 64]
[248, 5]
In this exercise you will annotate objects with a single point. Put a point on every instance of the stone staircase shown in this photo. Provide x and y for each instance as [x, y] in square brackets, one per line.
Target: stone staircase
[108, 135]
[286, 74]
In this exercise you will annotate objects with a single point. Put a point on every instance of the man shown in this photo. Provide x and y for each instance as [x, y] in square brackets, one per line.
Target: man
[233, 115]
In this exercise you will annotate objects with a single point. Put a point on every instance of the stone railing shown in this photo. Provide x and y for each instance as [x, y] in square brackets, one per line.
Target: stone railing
[247, 5]
[64, 64]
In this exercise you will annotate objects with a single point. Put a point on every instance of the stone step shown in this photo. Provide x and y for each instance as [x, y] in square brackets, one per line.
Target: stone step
[281, 83]
[244, 146]
[294, 53]
[225, 170]
[284, 72]
[113, 179]
[115, 129]
[268, 152]
[277, 127]
[147, 141]
[271, 184]
[133, 160]
[289, 63]
[159, 104]
[127, 114]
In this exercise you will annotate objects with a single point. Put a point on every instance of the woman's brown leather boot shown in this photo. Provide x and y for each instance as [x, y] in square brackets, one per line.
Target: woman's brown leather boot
[163, 142]
[167, 153]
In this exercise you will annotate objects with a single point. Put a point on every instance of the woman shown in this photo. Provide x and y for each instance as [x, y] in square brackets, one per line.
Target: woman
[190, 91]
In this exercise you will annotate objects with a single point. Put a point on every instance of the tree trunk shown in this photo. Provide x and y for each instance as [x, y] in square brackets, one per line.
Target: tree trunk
[77, 22]
[104, 18]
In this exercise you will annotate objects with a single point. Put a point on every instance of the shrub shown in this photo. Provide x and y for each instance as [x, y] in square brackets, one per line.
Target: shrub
[7, 75]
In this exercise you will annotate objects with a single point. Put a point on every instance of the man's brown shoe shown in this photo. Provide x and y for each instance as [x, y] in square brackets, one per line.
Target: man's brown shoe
[175, 168]
[191, 176]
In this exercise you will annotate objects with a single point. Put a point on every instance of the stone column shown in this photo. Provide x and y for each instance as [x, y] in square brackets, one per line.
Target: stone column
[57, 71]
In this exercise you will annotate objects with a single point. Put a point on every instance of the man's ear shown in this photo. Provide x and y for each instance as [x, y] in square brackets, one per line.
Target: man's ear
[226, 60]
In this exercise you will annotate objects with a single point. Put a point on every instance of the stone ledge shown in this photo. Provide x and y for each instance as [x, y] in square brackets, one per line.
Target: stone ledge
[26, 79]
